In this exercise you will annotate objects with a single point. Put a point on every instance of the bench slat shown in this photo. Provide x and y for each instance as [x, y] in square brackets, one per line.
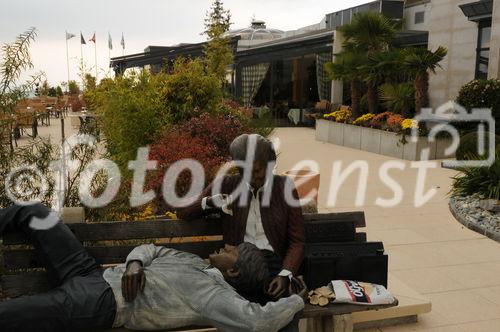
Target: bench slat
[357, 217]
[26, 258]
[24, 284]
[311, 311]
[134, 230]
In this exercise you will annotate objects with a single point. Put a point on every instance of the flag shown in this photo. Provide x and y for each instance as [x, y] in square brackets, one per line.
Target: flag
[93, 38]
[69, 35]
[110, 42]
[82, 40]
[122, 42]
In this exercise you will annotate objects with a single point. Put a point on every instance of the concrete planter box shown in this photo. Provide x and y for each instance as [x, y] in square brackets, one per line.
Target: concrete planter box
[390, 144]
[370, 140]
[336, 133]
[352, 136]
[322, 128]
[379, 141]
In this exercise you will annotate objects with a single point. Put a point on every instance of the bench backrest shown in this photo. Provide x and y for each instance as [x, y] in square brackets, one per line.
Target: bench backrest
[111, 242]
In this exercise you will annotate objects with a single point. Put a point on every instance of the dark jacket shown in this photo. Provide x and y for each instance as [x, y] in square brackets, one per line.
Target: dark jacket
[283, 224]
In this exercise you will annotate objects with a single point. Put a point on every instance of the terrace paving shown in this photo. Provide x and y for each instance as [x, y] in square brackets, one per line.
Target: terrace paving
[431, 255]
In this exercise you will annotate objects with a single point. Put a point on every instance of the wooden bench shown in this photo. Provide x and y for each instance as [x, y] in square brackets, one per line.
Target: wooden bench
[21, 272]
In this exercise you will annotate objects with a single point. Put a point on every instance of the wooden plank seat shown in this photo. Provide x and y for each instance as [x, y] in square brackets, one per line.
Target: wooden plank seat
[110, 243]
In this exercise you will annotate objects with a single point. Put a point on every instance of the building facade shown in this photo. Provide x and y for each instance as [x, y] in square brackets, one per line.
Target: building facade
[283, 69]
[470, 30]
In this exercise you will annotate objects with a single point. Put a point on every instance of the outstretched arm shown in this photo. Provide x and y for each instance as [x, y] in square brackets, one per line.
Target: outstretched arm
[228, 311]
[146, 253]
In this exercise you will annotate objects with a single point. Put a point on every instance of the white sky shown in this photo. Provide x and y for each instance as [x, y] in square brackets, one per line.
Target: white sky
[143, 23]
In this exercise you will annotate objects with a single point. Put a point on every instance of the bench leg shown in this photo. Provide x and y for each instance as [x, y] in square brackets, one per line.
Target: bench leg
[340, 323]
[343, 323]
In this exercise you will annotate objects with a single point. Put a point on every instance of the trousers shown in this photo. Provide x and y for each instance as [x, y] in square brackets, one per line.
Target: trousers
[80, 298]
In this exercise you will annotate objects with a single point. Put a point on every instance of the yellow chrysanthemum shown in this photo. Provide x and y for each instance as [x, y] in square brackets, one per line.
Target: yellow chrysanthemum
[409, 124]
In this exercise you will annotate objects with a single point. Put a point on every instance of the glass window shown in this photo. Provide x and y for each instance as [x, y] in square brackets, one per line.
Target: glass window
[483, 50]
[337, 20]
[483, 61]
[419, 17]
[485, 36]
[346, 16]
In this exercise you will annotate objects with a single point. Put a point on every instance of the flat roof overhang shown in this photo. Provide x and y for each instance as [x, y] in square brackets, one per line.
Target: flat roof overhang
[159, 54]
[479, 10]
[287, 47]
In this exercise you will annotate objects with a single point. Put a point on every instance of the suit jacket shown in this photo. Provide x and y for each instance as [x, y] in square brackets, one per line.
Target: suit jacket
[283, 224]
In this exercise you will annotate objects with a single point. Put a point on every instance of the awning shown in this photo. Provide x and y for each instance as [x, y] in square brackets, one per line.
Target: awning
[477, 11]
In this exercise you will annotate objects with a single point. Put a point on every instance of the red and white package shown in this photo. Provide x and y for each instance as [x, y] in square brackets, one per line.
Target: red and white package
[347, 291]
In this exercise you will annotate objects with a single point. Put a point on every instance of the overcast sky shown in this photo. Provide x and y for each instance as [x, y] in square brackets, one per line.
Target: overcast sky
[143, 23]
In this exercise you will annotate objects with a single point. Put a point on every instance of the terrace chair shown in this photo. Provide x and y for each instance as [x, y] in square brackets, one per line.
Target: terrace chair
[25, 119]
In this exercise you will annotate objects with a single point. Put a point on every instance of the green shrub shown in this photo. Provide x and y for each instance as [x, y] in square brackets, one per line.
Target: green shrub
[132, 111]
[484, 181]
[135, 109]
[480, 94]
[468, 147]
[190, 89]
[398, 98]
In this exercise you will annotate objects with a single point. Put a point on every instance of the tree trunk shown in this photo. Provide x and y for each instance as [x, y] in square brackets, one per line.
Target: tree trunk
[372, 97]
[421, 92]
[356, 98]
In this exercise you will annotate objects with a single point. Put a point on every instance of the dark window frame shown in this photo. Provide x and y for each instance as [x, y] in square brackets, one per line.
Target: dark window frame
[481, 25]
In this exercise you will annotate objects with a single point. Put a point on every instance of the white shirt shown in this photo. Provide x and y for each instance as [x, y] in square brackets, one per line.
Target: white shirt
[254, 232]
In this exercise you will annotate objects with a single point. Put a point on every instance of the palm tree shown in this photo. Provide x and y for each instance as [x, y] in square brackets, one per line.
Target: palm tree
[345, 68]
[399, 98]
[421, 61]
[369, 33]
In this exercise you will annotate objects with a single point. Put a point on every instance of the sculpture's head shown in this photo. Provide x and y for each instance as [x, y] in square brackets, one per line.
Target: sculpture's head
[260, 150]
[244, 266]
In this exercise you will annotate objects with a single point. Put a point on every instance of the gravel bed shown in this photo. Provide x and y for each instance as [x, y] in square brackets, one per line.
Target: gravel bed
[468, 212]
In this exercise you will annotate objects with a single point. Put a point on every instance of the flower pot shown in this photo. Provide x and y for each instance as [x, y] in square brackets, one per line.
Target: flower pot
[305, 182]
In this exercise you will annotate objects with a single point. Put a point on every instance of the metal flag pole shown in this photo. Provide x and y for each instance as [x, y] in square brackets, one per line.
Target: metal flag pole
[95, 52]
[82, 69]
[67, 57]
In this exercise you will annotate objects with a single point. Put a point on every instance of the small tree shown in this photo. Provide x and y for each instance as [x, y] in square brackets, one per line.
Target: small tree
[44, 88]
[421, 61]
[369, 33]
[73, 88]
[345, 68]
[218, 52]
[15, 59]
[52, 92]
[59, 91]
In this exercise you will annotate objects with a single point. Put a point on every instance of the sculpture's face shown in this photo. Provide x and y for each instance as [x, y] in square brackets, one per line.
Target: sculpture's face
[225, 259]
[258, 176]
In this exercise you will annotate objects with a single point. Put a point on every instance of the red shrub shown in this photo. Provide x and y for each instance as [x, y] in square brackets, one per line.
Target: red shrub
[218, 130]
[75, 103]
[175, 146]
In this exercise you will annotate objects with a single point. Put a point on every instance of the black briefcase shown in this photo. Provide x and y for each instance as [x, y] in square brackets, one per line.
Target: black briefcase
[358, 261]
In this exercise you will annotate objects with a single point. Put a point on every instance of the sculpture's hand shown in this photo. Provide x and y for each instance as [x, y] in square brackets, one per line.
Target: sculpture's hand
[278, 287]
[301, 288]
[133, 281]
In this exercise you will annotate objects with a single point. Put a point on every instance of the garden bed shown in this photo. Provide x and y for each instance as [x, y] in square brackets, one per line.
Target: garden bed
[468, 211]
[379, 141]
